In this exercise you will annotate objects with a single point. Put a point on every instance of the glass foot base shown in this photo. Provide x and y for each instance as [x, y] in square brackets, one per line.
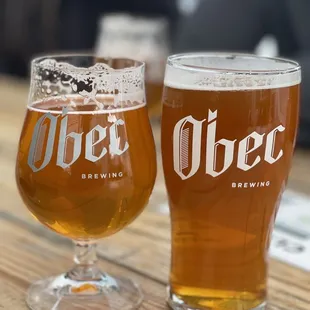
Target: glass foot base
[64, 293]
[176, 303]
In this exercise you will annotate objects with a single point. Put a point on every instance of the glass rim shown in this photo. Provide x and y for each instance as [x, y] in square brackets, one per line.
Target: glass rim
[64, 57]
[172, 61]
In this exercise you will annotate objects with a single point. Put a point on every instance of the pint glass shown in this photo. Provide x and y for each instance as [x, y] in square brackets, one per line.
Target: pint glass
[228, 134]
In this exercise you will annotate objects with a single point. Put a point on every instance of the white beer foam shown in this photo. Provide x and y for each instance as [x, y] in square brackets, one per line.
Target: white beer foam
[72, 101]
[224, 72]
[57, 77]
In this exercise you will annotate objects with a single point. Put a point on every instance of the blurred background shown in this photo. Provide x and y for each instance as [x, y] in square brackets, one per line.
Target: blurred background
[146, 30]
[150, 30]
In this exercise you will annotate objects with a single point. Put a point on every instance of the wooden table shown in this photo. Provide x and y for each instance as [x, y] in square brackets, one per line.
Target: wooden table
[140, 252]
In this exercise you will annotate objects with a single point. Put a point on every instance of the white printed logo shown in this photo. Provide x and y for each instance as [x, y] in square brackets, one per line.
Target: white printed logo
[182, 142]
[43, 128]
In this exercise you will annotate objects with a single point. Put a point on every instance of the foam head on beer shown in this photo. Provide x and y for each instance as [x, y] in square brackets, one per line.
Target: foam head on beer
[228, 134]
[86, 164]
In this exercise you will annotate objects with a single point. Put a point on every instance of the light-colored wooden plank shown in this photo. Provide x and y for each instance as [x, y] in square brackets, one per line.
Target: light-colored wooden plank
[27, 256]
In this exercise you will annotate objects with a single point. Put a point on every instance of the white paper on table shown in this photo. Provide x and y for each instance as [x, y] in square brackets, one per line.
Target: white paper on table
[291, 236]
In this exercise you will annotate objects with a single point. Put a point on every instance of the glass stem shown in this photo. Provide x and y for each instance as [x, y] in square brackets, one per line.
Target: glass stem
[85, 258]
[85, 253]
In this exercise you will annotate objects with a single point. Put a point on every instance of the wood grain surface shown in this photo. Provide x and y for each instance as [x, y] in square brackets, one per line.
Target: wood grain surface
[29, 251]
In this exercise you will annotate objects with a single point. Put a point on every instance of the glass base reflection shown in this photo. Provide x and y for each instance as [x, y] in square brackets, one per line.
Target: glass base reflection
[65, 293]
[195, 303]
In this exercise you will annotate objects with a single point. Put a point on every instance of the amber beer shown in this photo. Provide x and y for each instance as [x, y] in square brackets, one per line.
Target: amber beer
[228, 134]
[154, 84]
[154, 91]
[82, 172]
